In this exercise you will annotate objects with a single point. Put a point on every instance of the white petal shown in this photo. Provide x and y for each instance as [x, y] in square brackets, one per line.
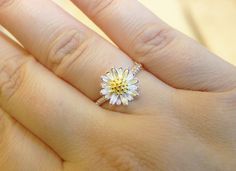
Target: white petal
[104, 91]
[130, 76]
[104, 85]
[125, 73]
[120, 72]
[108, 96]
[118, 102]
[124, 100]
[133, 81]
[133, 93]
[133, 87]
[104, 78]
[113, 99]
[129, 97]
[114, 73]
[110, 76]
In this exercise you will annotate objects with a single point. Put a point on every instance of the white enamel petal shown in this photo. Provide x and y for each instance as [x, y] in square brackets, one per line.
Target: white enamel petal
[110, 76]
[133, 81]
[118, 102]
[108, 96]
[133, 87]
[125, 73]
[104, 78]
[104, 85]
[120, 72]
[133, 93]
[113, 99]
[129, 97]
[114, 73]
[124, 100]
[104, 91]
[130, 76]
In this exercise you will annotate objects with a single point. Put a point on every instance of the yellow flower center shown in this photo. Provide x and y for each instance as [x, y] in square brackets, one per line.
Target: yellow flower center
[118, 86]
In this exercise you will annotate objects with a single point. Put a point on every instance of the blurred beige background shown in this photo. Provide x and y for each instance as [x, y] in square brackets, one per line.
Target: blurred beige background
[211, 22]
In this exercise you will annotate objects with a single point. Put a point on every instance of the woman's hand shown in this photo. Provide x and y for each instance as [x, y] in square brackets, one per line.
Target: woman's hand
[184, 119]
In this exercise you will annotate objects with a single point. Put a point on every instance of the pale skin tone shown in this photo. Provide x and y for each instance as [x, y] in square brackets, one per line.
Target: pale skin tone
[184, 119]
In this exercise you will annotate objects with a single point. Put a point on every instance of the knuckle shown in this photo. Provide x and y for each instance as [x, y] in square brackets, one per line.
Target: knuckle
[153, 40]
[66, 49]
[6, 3]
[98, 6]
[11, 75]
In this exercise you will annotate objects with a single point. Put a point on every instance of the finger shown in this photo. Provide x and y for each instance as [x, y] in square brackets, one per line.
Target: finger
[20, 150]
[71, 50]
[168, 54]
[46, 105]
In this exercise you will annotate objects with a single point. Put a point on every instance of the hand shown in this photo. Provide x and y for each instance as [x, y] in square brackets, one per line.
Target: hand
[184, 118]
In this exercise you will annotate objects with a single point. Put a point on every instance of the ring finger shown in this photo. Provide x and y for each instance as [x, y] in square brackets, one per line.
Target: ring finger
[72, 51]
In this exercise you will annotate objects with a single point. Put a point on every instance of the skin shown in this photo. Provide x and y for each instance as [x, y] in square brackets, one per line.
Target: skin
[183, 120]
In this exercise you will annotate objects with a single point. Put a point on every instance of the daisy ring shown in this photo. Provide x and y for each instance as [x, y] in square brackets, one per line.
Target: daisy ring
[119, 85]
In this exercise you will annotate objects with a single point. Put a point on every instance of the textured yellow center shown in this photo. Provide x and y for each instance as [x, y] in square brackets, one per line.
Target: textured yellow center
[118, 86]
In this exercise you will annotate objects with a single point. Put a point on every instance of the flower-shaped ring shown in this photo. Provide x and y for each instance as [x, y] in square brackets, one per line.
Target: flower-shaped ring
[120, 86]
